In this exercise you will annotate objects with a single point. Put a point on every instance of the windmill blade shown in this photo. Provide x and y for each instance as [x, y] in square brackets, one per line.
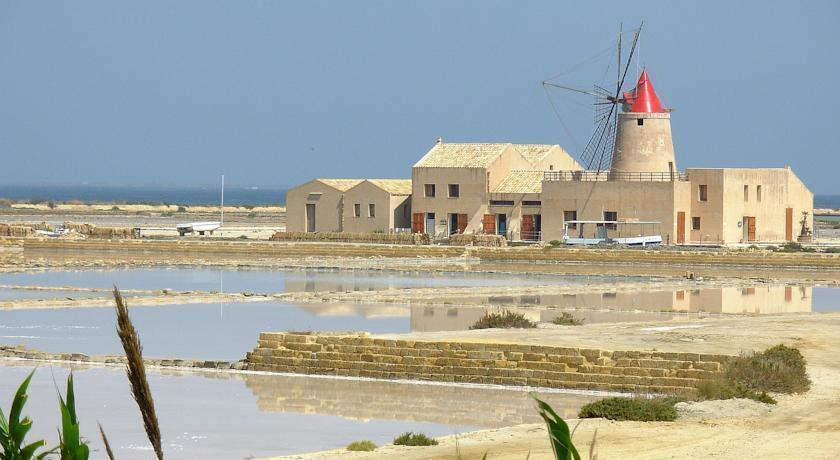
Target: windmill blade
[569, 88]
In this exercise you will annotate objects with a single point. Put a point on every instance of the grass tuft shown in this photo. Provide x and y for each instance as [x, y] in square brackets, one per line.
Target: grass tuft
[361, 446]
[414, 439]
[778, 369]
[567, 319]
[635, 409]
[504, 320]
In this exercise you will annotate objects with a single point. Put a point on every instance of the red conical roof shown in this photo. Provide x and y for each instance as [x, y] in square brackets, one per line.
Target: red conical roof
[643, 97]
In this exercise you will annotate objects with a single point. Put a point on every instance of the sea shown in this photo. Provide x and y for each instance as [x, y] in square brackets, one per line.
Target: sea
[145, 195]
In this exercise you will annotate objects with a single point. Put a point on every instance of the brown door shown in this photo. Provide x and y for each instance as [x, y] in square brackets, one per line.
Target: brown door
[750, 228]
[680, 227]
[462, 223]
[417, 222]
[310, 218]
[527, 227]
[789, 224]
[490, 224]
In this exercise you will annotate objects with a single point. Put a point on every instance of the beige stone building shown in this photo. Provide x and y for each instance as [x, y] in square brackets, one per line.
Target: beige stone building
[349, 205]
[531, 191]
[483, 188]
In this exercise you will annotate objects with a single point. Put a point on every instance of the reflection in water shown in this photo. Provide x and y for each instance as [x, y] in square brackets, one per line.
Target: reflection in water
[441, 404]
[619, 306]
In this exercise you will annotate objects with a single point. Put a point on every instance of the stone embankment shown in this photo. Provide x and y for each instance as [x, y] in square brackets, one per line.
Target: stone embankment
[23, 353]
[530, 255]
[359, 355]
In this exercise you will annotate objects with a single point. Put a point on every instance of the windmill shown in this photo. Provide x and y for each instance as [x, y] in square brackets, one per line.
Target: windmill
[598, 151]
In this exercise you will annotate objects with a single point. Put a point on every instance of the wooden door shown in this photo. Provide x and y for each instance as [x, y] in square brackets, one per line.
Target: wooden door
[462, 223]
[527, 232]
[750, 228]
[789, 224]
[310, 218]
[489, 224]
[417, 222]
[680, 227]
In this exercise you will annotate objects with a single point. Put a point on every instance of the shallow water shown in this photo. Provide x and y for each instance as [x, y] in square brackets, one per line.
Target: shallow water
[195, 279]
[190, 331]
[225, 415]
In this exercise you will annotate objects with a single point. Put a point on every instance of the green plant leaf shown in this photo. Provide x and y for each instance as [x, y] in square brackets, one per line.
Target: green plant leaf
[558, 432]
[17, 405]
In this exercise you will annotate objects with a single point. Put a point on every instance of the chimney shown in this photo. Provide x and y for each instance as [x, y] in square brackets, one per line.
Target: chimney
[439, 140]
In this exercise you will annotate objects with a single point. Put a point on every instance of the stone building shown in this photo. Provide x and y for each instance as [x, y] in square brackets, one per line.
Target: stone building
[530, 191]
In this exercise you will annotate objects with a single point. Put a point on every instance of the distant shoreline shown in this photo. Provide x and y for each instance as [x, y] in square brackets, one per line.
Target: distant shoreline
[155, 196]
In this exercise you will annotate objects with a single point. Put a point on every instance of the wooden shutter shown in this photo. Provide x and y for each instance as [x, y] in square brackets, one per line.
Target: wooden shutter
[490, 224]
[527, 232]
[417, 222]
[789, 224]
[462, 223]
[750, 228]
[680, 227]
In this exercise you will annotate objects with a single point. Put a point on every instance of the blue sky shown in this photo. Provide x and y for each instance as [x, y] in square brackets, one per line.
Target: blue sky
[274, 93]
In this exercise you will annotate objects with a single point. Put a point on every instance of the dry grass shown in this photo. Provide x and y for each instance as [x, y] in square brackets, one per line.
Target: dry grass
[108, 450]
[137, 373]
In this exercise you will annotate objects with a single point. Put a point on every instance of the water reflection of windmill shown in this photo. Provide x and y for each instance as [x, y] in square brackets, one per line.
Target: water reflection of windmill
[598, 152]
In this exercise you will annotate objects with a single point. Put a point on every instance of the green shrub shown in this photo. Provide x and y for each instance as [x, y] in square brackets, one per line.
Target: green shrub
[182, 209]
[243, 237]
[635, 409]
[793, 246]
[13, 430]
[779, 369]
[252, 214]
[414, 439]
[361, 446]
[722, 388]
[51, 205]
[115, 208]
[248, 206]
[567, 319]
[555, 243]
[832, 250]
[504, 320]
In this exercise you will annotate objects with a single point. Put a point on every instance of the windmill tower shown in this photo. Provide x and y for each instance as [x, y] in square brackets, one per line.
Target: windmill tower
[643, 141]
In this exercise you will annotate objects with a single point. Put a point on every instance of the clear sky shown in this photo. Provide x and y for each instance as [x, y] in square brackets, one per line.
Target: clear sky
[274, 93]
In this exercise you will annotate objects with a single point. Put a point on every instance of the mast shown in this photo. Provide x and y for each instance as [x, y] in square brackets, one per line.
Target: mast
[222, 222]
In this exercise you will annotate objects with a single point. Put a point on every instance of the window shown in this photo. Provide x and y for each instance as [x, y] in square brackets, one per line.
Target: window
[640, 122]
[570, 215]
[758, 193]
[703, 192]
[501, 203]
[551, 167]
[611, 216]
[430, 190]
[371, 210]
[357, 210]
[746, 193]
[695, 223]
[454, 190]
[531, 203]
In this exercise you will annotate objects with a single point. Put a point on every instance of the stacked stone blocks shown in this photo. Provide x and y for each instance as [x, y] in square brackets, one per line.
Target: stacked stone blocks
[359, 355]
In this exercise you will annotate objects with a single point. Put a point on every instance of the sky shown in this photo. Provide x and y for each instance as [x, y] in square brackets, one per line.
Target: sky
[275, 93]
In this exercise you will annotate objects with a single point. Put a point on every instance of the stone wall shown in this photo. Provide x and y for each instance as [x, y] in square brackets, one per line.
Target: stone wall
[349, 237]
[493, 241]
[360, 355]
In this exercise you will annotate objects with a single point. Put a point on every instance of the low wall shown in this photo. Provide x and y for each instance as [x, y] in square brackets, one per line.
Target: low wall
[360, 355]
[27, 230]
[346, 237]
[491, 241]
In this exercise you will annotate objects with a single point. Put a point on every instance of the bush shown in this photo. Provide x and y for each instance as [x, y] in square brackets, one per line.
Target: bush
[635, 409]
[504, 320]
[115, 208]
[51, 205]
[792, 246]
[182, 209]
[252, 214]
[555, 243]
[833, 250]
[243, 237]
[722, 388]
[567, 319]
[250, 207]
[414, 439]
[361, 446]
[779, 369]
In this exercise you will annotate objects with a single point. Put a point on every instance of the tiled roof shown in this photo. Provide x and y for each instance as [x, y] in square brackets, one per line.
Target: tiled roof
[393, 186]
[341, 184]
[448, 155]
[534, 152]
[521, 182]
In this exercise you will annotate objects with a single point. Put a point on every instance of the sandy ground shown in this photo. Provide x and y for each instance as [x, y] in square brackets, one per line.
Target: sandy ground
[800, 426]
